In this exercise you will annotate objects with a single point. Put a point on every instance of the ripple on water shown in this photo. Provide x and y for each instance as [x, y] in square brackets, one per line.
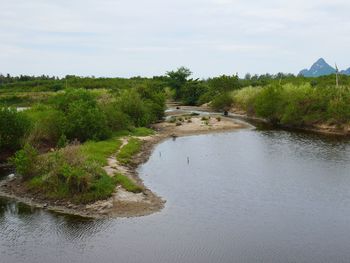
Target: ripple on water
[245, 196]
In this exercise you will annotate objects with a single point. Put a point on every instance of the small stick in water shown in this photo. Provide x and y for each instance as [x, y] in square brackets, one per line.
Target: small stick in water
[188, 160]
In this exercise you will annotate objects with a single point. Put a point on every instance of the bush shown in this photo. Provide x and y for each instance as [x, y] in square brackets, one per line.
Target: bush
[244, 99]
[268, 103]
[339, 110]
[63, 100]
[141, 108]
[13, 128]
[131, 104]
[192, 91]
[26, 161]
[67, 174]
[48, 128]
[222, 102]
[84, 122]
[116, 119]
[77, 179]
[296, 105]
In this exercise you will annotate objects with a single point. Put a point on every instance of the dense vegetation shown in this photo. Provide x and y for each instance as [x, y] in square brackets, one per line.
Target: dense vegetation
[296, 105]
[74, 123]
[64, 140]
[64, 174]
[282, 99]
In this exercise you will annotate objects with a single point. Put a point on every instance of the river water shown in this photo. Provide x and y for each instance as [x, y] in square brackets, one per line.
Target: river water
[244, 196]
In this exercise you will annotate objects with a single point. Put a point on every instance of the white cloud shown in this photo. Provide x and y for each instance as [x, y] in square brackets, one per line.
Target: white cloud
[137, 37]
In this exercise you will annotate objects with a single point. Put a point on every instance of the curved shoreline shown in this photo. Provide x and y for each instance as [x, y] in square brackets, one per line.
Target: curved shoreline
[123, 203]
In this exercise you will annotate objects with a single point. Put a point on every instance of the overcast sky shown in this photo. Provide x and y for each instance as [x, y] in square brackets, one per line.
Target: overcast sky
[149, 37]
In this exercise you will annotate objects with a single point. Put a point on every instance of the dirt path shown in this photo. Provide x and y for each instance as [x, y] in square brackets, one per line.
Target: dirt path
[113, 167]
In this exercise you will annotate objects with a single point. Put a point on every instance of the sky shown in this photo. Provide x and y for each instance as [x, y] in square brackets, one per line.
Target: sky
[123, 38]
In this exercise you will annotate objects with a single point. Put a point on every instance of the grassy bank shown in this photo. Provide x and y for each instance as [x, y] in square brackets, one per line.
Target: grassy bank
[296, 105]
[127, 184]
[129, 150]
[73, 125]
[74, 173]
[66, 175]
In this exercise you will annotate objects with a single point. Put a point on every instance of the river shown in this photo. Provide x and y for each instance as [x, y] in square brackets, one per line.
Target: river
[244, 196]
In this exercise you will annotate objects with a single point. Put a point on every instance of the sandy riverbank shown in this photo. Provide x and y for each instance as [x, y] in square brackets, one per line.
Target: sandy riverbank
[123, 203]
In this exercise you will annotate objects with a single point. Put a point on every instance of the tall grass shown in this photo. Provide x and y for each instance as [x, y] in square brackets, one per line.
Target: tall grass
[100, 151]
[127, 183]
[296, 105]
[129, 150]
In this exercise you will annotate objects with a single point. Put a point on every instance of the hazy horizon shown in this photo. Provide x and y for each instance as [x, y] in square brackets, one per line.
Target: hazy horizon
[138, 38]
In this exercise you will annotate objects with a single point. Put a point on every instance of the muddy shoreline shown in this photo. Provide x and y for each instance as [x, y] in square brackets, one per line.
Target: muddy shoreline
[122, 203]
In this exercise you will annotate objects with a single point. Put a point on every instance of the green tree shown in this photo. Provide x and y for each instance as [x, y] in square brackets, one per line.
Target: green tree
[13, 128]
[224, 84]
[177, 79]
[191, 92]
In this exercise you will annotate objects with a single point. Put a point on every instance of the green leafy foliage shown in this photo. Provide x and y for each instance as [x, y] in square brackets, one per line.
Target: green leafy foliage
[48, 126]
[26, 161]
[222, 102]
[13, 128]
[177, 79]
[84, 122]
[192, 91]
[67, 174]
[296, 105]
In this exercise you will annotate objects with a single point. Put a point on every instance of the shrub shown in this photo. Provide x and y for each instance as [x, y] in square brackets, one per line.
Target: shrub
[26, 161]
[116, 119]
[268, 103]
[67, 174]
[62, 141]
[339, 110]
[84, 122]
[131, 104]
[48, 128]
[244, 99]
[296, 105]
[78, 180]
[192, 91]
[222, 102]
[63, 100]
[13, 129]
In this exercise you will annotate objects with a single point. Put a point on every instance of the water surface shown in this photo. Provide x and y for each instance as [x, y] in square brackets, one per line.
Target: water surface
[245, 196]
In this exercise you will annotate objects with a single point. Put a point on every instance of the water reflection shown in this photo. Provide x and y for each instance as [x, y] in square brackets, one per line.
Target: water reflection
[245, 196]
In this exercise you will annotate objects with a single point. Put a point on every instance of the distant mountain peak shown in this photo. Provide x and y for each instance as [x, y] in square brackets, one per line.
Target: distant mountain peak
[321, 60]
[319, 68]
[345, 72]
